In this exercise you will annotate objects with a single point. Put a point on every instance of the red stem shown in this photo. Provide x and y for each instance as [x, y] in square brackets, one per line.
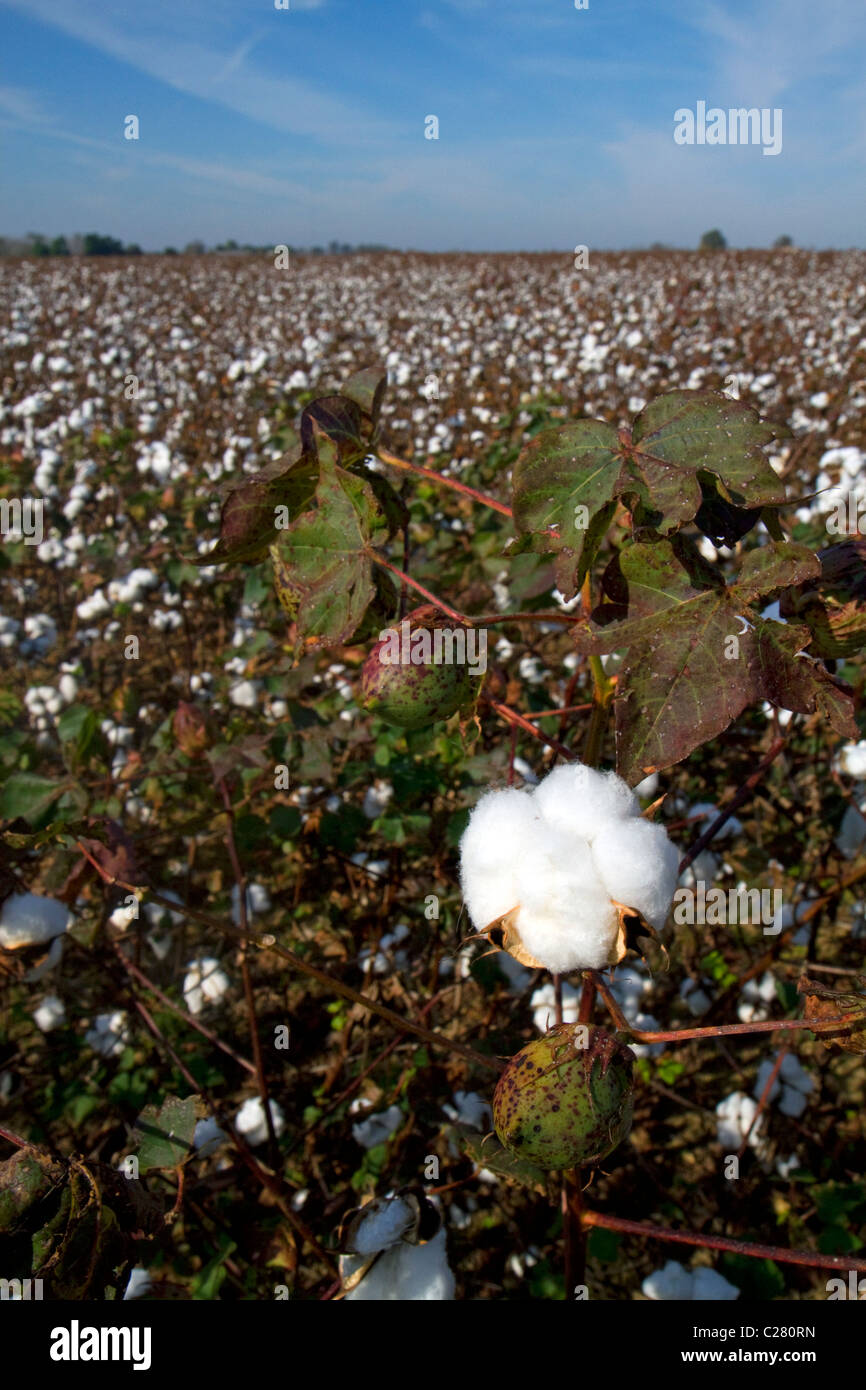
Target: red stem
[709, 1242]
[435, 477]
[513, 717]
[407, 579]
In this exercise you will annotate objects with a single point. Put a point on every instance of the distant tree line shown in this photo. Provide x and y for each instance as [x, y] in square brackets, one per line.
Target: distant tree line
[94, 244]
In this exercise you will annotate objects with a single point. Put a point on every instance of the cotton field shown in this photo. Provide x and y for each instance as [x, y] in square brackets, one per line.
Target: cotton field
[187, 790]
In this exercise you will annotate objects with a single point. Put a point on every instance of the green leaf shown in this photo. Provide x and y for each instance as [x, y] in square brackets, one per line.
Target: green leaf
[10, 708]
[758, 1279]
[561, 472]
[337, 419]
[165, 1133]
[568, 479]
[487, 1152]
[682, 432]
[207, 1282]
[79, 725]
[367, 389]
[322, 566]
[28, 796]
[249, 515]
[683, 680]
[603, 1245]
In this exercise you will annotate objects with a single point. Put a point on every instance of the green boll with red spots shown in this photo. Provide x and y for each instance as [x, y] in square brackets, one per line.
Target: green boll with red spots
[566, 1100]
[419, 672]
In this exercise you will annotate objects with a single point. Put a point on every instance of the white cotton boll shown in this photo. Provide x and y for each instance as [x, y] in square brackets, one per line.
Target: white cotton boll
[537, 851]
[543, 1005]
[140, 1283]
[648, 788]
[408, 1274]
[258, 900]
[376, 798]
[501, 828]
[51, 1013]
[388, 1220]
[696, 1000]
[204, 983]
[251, 1123]
[566, 918]
[852, 832]
[28, 919]
[852, 759]
[469, 1109]
[671, 1283]
[708, 1285]
[245, 694]
[786, 1166]
[108, 1034]
[638, 865]
[377, 1128]
[709, 812]
[580, 800]
[793, 1073]
[522, 768]
[735, 1114]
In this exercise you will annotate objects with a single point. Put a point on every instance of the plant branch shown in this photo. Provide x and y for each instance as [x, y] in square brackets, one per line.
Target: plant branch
[711, 1242]
[423, 472]
[258, 1059]
[413, 583]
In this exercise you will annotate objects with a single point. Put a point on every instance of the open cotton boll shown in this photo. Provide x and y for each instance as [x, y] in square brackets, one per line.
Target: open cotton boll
[204, 983]
[387, 1222]
[408, 1274]
[638, 865]
[566, 917]
[377, 1128]
[502, 828]
[563, 854]
[250, 1120]
[581, 801]
[51, 1013]
[28, 919]
[675, 1283]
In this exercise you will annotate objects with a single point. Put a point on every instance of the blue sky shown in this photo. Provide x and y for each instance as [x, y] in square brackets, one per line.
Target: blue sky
[307, 124]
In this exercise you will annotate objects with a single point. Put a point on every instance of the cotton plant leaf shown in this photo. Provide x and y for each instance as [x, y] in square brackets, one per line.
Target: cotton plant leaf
[564, 488]
[322, 563]
[489, 1153]
[686, 447]
[337, 419]
[165, 1133]
[367, 389]
[683, 680]
[249, 515]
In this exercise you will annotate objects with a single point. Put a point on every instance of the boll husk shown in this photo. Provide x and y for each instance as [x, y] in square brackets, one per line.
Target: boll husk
[560, 872]
[403, 683]
[566, 1100]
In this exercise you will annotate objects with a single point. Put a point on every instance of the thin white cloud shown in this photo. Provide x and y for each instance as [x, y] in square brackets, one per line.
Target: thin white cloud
[171, 45]
[774, 45]
[22, 104]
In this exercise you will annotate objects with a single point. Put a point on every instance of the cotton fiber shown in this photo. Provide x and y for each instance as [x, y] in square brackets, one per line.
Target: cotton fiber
[565, 853]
